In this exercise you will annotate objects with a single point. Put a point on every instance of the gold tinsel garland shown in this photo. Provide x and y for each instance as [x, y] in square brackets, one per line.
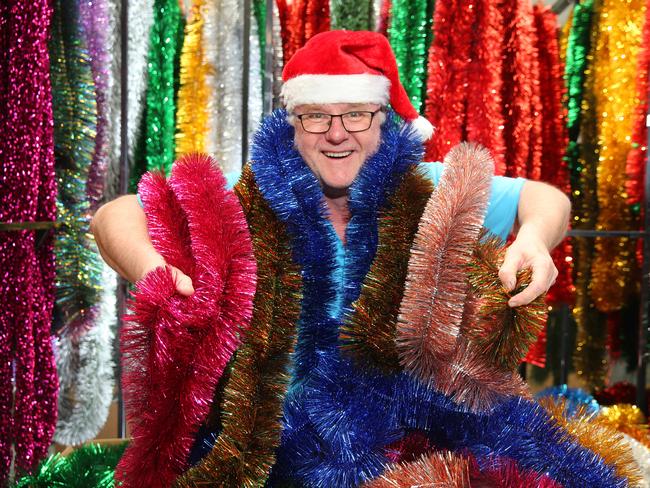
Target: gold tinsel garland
[192, 115]
[614, 72]
[628, 419]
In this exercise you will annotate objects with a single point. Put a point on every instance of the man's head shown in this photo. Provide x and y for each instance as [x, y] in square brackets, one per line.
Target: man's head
[336, 73]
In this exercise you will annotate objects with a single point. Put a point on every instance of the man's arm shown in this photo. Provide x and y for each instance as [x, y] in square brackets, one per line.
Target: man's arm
[543, 216]
[120, 230]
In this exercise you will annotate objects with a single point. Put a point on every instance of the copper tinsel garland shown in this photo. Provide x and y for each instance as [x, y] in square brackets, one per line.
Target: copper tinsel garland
[614, 70]
[636, 159]
[369, 333]
[192, 105]
[598, 437]
[301, 20]
[442, 468]
[245, 448]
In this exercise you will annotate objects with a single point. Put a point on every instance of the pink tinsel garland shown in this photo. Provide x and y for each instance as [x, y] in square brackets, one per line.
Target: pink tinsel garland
[175, 348]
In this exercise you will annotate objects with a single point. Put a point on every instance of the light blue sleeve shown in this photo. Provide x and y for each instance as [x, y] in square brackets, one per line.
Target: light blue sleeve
[231, 179]
[504, 199]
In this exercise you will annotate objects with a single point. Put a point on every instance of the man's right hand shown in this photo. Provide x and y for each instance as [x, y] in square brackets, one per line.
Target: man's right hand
[120, 230]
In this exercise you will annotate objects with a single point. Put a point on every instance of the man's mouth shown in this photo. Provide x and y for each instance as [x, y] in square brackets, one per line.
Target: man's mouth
[337, 155]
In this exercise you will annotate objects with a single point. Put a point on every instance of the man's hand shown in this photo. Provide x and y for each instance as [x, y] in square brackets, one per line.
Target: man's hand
[524, 253]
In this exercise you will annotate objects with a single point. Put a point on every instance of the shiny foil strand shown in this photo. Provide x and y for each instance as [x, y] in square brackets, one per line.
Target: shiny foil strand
[431, 310]
[383, 21]
[442, 468]
[165, 42]
[191, 114]
[641, 456]
[603, 440]
[485, 80]
[628, 419]
[173, 345]
[573, 398]
[448, 61]
[369, 333]
[494, 471]
[636, 158]
[112, 175]
[614, 270]
[519, 96]
[300, 21]
[410, 36]
[255, 74]
[352, 16]
[503, 334]
[244, 450]
[27, 193]
[95, 18]
[554, 141]
[210, 50]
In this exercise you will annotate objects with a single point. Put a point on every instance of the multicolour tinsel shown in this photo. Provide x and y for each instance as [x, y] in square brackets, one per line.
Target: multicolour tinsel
[301, 20]
[192, 112]
[410, 35]
[28, 385]
[173, 345]
[618, 42]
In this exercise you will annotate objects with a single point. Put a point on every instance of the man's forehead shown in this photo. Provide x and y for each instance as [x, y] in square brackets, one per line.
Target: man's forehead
[335, 107]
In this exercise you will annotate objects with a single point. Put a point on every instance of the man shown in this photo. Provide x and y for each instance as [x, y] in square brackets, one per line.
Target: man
[342, 149]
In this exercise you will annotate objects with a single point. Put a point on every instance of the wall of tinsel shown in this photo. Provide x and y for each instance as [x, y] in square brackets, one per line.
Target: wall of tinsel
[563, 107]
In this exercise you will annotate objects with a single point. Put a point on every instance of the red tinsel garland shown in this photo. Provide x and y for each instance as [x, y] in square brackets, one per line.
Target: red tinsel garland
[635, 167]
[300, 20]
[384, 17]
[173, 345]
[447, 78]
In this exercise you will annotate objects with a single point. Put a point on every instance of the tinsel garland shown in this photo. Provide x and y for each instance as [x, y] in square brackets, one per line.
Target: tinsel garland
[627, 419]
[410, 35]
[95, 18]
[573, 398]
[352, 16]
[621, 392]
[383, 21]
[636, 158]
[301, 20]
[590, 356]
[602, 439]
[84, 318]
[89, 466]
[369, 334]
[520, 92]
[28, 384]
[617, 46]
[222, 45]
[464, 81]
[244, 450]
[192, 106]
[173, 345]
[641, 456]
[165, 43]
[554, 141]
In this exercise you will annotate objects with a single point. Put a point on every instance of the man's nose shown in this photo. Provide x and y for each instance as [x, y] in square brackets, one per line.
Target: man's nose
[336, 133]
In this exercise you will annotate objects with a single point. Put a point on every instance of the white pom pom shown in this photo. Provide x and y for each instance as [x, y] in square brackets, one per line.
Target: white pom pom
[423, 127]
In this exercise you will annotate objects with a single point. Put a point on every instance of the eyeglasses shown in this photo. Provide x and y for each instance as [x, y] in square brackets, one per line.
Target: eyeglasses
[317, 123]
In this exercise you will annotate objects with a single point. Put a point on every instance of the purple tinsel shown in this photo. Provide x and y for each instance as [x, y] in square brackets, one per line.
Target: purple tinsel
[95, 20]
[27, 193]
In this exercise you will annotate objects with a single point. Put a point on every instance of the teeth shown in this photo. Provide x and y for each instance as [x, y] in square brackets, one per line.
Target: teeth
[338, 154]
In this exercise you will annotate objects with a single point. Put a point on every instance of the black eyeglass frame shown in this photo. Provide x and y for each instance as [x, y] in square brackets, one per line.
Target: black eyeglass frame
[331, 116]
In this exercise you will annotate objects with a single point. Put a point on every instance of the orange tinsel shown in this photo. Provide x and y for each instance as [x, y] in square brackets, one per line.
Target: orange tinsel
[300, 20]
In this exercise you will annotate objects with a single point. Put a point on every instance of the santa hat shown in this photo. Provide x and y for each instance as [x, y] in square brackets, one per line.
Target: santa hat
[349, 67]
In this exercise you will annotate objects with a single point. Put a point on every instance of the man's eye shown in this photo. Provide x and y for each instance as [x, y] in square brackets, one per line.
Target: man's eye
[315, 116]
[354, 115]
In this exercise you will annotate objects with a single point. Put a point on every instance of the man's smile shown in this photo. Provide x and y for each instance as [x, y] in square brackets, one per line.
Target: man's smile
[337, 154]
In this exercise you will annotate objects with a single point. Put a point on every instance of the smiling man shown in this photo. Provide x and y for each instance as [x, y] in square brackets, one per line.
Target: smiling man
[326, 166]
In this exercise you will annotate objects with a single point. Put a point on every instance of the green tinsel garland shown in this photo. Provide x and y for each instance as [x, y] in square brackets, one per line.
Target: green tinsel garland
[259, 9]
[164, 55]
[352, 15]
[410, 35]
[576, 62]
[90, 466]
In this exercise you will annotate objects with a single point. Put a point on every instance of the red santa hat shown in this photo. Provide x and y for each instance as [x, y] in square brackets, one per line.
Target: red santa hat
[349, 67]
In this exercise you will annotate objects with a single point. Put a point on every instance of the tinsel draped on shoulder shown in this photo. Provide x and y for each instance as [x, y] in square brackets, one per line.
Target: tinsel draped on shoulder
[175, 348]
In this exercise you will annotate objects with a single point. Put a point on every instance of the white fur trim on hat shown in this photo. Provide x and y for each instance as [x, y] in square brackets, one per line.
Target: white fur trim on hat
[317, 89]
[423, 127]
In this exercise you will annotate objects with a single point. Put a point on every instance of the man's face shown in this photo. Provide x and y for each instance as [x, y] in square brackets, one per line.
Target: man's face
[336, 156]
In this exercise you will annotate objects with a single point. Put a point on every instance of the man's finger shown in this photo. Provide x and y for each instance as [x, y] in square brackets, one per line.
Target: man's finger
[508, 273]
[541, 281]
[183, 282]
